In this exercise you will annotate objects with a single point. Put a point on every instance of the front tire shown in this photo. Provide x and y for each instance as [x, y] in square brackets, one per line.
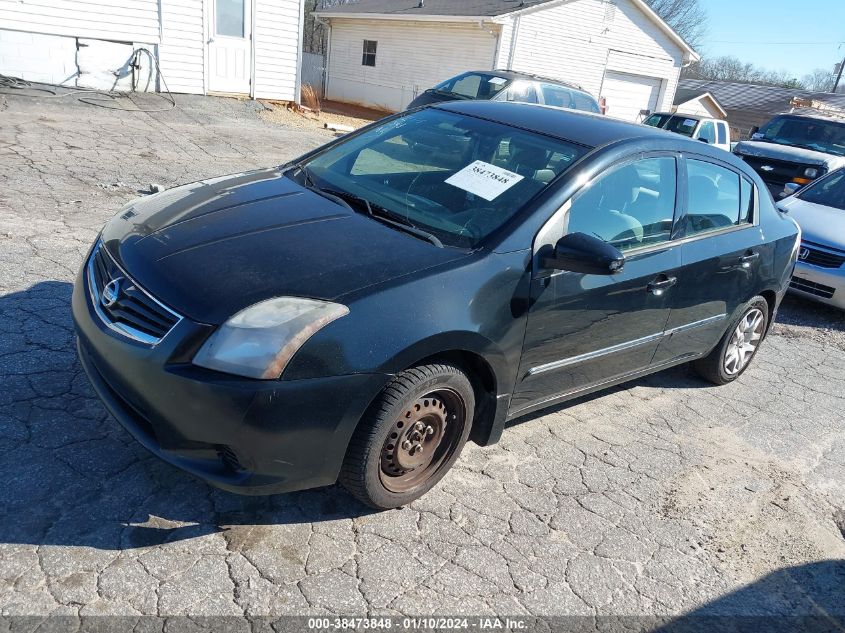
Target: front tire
[411, 436]
[732, 356]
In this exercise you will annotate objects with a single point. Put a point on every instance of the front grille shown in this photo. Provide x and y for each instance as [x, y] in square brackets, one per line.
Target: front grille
[819, 290]
[831, 258]
[778, 172]
[123, 305]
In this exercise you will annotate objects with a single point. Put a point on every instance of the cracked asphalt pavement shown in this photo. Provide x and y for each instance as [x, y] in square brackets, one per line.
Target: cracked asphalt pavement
[663, 497]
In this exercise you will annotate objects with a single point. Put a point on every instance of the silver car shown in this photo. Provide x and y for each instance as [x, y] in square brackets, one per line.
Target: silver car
[819, 209]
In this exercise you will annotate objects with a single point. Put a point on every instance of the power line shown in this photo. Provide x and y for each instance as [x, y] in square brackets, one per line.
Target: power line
[774, 43]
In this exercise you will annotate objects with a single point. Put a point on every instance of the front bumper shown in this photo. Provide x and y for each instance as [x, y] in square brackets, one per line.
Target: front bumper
[242, 435]
[825, 285]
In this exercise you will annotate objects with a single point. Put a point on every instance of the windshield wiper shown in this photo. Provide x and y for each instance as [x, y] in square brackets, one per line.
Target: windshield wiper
[312, 186]
[385, 216]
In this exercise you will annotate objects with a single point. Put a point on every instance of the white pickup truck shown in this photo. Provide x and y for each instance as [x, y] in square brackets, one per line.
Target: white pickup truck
[714, 132]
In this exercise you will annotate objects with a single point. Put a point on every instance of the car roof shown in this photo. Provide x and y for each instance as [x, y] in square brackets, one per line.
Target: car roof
[583, 128]
[810, 113]
[514, 74]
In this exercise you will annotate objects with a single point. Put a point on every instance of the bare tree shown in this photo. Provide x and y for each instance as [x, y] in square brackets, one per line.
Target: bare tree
[820, 80]
[687, 17]
[314, 33]
[733, 69]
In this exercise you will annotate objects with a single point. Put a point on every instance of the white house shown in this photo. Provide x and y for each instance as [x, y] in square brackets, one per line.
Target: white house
[383, 53]
[245, 47]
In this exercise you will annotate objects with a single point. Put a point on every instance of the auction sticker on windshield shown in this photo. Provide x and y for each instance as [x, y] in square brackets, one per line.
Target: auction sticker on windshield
[484, 180]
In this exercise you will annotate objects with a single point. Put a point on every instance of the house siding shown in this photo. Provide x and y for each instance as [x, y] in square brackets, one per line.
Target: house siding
[277, 38]
[114, 20]
[411, 57]
[182, 49]
[39, 42]
[580, 40]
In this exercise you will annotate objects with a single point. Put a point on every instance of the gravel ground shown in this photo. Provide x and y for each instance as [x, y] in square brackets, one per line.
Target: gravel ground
[663, 497]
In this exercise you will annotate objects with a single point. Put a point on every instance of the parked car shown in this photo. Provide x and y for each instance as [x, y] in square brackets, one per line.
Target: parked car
[794, 149]
[714, 132]
[819, 210]
[506, 85]
[361, 312]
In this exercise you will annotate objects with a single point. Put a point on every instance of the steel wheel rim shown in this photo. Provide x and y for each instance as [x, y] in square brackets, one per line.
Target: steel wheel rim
[744, 341]
[423, 437]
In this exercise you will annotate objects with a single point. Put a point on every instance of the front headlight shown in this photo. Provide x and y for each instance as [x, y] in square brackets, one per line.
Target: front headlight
[811, 172]
[258, 342]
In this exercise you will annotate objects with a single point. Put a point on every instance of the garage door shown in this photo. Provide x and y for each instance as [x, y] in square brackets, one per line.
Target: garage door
[628, 94]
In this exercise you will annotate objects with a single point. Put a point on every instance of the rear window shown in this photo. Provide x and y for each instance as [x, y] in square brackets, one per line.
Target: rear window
[473, 86]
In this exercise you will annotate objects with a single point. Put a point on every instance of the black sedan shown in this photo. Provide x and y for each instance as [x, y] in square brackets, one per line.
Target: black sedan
[360, 313]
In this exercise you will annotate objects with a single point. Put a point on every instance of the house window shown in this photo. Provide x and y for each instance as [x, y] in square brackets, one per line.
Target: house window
[369, 58]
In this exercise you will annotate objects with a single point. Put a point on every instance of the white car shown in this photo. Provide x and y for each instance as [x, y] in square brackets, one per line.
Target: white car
[819, 209]
[714, 132]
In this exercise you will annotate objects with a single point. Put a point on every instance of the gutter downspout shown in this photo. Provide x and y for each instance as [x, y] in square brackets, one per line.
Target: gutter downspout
[497, 37]
[328, 25]
[297, 91]
[252, 51]
[514, 36]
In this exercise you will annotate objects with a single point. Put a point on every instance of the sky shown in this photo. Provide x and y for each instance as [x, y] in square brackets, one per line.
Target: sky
[794, 35]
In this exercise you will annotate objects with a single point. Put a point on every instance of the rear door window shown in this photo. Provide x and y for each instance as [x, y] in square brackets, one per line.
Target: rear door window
[556, 96]
[521, 91]
[714, 198]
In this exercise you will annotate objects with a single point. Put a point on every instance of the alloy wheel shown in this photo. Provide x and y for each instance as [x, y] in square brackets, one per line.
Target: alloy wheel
[744, 342]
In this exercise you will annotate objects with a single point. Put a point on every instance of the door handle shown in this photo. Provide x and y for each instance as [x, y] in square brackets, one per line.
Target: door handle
[746, 260]
[661, 285]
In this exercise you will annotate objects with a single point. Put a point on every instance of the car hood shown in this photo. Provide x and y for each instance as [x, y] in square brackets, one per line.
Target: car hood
[214, 247]
[820, 224]
[774, 151]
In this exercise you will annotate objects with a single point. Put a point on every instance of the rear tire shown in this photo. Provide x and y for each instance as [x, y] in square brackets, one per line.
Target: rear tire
[411, 436]
[733, 355]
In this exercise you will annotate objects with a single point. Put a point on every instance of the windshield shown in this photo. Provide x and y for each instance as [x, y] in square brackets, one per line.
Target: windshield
[454, 176]
[815, 134]
[473, 86]
[828, 191]
[681, 124]
[657, 120]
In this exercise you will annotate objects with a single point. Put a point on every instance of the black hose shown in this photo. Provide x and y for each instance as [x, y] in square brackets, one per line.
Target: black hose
[12, 86]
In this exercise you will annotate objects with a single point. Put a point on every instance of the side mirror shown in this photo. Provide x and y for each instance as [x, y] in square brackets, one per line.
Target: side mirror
[704, 140]
[753, 131]
[582, 253]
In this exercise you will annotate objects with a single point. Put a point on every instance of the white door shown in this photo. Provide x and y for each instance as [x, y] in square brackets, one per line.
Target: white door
[229, 46]
[627, 95]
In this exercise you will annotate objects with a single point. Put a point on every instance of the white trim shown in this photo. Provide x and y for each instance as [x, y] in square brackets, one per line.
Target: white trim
[404, 18]
[702, 96]
[690, 54]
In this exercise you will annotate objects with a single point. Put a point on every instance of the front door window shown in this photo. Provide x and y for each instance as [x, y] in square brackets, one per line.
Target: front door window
[630, 206]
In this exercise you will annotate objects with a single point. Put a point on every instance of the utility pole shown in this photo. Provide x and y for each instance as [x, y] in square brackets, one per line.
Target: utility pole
[839, 75]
